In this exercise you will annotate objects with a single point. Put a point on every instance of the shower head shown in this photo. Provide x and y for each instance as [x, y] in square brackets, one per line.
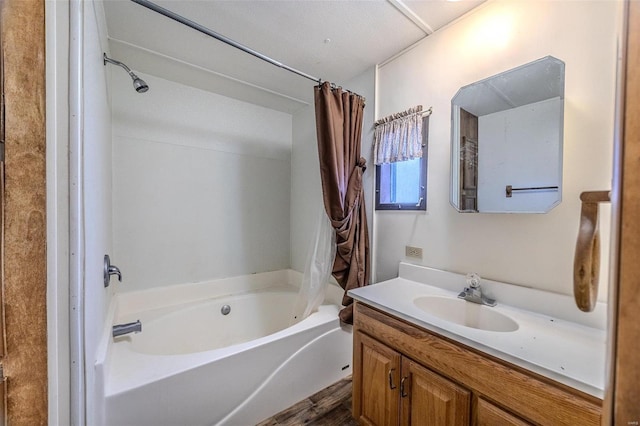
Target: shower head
[138, 83]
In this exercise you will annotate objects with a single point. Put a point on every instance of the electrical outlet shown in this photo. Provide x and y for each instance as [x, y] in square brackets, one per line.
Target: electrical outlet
[413, 252]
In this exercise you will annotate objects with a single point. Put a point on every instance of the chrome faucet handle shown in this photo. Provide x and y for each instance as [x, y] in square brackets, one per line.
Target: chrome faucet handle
[473, 292]
[114, 270]
[109, 270]
[473, 280]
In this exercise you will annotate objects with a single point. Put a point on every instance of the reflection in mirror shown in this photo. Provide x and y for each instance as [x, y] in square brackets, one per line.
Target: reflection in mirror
[506, 141]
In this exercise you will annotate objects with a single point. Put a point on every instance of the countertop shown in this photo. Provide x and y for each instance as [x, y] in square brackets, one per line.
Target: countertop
[566, 351]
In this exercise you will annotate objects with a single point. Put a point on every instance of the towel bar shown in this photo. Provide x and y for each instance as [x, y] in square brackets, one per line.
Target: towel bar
[509, 189]
[586, 263]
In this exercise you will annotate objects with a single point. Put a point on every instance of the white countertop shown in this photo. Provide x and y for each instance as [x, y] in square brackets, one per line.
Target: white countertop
[563, 350]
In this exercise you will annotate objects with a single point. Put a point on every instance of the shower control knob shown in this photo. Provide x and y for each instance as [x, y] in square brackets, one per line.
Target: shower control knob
[109, 270]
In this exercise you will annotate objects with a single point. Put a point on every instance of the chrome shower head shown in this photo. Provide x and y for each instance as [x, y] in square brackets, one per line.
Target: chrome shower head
[139, 84]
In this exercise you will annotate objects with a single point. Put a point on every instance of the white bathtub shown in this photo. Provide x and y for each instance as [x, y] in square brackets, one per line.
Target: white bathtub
[192, 365]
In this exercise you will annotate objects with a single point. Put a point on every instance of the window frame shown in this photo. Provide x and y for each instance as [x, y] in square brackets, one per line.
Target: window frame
[422, 185]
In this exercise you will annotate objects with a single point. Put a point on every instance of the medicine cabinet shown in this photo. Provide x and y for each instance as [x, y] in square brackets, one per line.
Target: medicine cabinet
[506, 141]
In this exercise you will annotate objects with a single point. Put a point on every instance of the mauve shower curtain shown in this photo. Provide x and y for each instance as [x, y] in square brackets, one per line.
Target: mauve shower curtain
[339, 130]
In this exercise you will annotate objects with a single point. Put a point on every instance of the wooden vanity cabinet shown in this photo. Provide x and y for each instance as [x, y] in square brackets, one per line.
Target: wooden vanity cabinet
[394, 390]
[406, 375]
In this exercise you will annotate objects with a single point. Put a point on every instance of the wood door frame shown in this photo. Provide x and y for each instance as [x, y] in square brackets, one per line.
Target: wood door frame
[623, 392]
[24, 259]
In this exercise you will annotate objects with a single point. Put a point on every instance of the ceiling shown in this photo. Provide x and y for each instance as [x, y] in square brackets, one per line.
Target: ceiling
[334, 40]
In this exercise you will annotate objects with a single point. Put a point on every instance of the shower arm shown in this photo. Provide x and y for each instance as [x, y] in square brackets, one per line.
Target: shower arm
[106, 59]
[139, 84]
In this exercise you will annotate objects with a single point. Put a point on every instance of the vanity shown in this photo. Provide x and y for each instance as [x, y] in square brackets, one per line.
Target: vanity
[424, 356]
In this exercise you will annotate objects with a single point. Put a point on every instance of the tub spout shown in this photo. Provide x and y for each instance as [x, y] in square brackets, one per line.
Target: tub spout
[131, 327]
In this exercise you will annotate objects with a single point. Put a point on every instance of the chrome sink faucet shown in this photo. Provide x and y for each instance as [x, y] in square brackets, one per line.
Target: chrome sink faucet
[473, 292]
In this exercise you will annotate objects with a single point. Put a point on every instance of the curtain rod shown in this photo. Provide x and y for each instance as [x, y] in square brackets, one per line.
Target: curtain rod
[217, 36]
[413, 110]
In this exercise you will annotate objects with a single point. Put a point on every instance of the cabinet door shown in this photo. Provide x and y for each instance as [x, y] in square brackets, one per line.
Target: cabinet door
[376, 380]
[431, 400]
[491, 415]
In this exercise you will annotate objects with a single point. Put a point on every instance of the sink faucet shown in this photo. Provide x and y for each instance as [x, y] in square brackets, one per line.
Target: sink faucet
[130, 327]
[473, 292]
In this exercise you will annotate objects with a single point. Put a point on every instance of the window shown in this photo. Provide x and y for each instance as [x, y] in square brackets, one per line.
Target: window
[403, 185]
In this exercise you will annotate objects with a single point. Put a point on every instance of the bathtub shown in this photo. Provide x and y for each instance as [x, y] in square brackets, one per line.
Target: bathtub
[193, 365]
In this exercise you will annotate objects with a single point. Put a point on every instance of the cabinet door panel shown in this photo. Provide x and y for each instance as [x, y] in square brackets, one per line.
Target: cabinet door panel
[376, 382]
[431, 400]
[491, 415]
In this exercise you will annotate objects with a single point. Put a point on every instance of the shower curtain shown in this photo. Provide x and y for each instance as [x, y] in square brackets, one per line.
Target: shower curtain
[317, 270]
[339, 130]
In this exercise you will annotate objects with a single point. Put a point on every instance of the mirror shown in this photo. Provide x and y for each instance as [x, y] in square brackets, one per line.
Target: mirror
[506, 141]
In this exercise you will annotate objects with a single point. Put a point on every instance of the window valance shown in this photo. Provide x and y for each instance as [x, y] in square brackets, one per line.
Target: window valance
[398, 137]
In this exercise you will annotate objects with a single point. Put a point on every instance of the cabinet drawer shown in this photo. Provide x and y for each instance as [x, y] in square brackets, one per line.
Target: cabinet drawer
[488, 414]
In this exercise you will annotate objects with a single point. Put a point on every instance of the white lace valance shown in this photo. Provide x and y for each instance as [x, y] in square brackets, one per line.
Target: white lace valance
[398, 137]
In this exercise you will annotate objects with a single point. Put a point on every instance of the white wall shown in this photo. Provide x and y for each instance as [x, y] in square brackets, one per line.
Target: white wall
[201, 185]
[96, 184]
[533, 250]
[306, 188]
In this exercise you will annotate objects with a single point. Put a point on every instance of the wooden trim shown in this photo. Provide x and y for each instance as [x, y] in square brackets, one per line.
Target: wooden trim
[3, 335]
[505, 384]
[490, 415]
[356, 403]
[3, 322]
[3, 402]
[24, 262]
[624, 392]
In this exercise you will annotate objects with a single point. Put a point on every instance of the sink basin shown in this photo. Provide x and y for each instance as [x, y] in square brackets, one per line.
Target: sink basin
[466, 313]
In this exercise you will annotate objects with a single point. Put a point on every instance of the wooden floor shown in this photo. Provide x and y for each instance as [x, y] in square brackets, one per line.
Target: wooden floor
[330, 407]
